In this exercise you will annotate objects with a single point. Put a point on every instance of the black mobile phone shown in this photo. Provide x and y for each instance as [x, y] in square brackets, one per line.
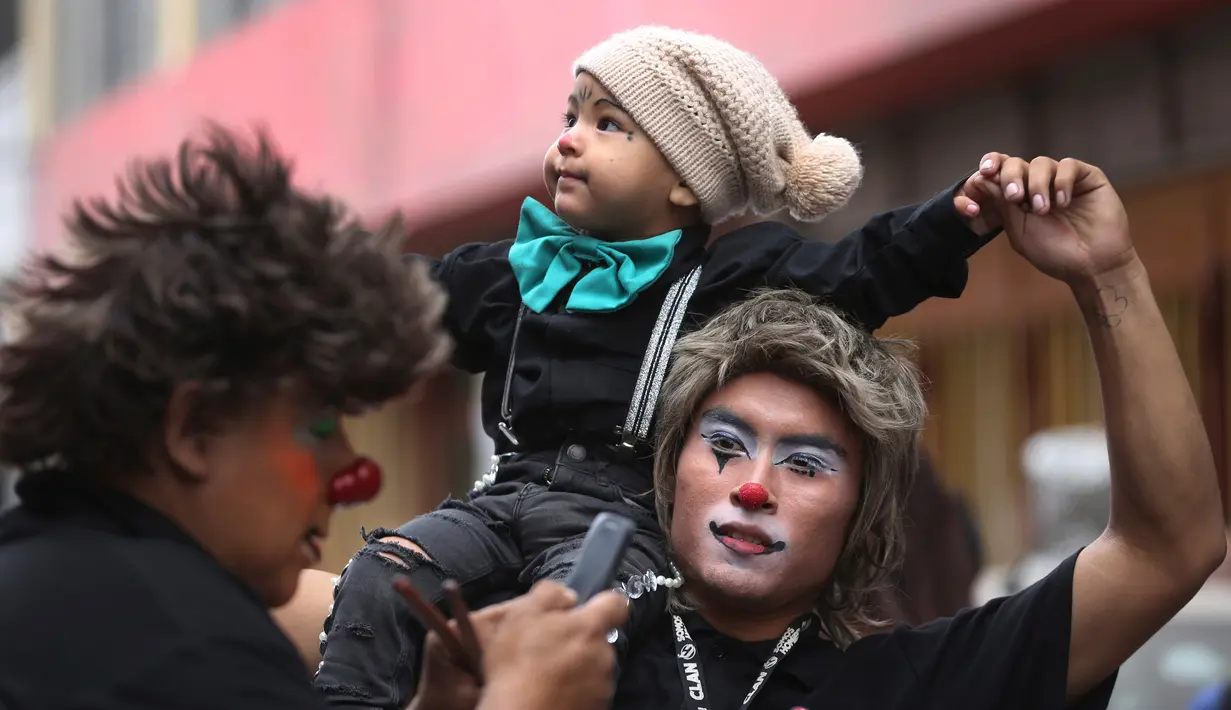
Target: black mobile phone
[601, 553]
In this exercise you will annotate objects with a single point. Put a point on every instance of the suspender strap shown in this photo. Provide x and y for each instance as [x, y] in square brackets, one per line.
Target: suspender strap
[657, 356]
[636, 427]
[506, 404]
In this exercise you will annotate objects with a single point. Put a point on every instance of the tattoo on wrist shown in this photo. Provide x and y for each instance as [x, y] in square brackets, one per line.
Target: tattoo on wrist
[1111, 306]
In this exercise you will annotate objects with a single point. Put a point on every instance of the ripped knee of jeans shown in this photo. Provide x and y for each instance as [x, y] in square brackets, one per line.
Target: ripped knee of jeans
[367, 575]
[395, 547]
[400, 550]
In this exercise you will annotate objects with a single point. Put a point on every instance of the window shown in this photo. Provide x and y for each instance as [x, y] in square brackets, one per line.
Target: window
[215, 17]
[8, 478]
[8, 498]
[8, 24]
[100, 45]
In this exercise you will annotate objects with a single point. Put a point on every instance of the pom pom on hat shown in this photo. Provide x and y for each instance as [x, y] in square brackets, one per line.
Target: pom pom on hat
[821, 178]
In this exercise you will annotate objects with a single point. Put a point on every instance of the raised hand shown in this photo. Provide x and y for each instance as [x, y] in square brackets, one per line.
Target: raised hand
[1064, 217]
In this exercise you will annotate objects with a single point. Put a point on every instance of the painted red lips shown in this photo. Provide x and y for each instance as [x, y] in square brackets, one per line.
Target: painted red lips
[745, 539]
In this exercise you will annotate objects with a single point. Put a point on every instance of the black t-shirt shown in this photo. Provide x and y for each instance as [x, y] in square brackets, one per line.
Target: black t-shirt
[1011, 654]
[105, 603]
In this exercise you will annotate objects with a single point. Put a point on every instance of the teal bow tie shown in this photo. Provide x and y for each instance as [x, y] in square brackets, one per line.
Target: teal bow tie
[548, 255]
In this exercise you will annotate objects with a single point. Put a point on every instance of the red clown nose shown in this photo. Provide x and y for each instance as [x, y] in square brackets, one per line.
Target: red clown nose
[357, 483]
[753, 495]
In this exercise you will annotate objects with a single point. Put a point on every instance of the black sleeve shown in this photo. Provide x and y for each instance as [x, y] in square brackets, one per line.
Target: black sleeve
[1010, 654]
[885, 268]
[479, 282]
[225, 673]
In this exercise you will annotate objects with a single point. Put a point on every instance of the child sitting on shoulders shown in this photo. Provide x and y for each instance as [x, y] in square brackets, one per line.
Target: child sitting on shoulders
[666, 134]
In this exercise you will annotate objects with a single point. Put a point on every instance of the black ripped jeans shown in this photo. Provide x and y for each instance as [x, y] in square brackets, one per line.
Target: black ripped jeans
[526, 527]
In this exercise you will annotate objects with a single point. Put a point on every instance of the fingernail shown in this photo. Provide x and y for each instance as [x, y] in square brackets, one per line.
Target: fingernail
[987, 164]
[1038, 203]
[1061, 198]
[1011, 189]
[972, 208]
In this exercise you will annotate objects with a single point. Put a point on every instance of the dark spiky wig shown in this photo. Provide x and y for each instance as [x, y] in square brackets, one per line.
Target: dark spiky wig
[209, 267]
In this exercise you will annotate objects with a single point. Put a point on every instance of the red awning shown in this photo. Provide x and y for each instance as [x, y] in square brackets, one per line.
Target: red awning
[444, 109]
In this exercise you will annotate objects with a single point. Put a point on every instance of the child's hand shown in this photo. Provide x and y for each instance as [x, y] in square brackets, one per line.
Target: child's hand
[974, 200]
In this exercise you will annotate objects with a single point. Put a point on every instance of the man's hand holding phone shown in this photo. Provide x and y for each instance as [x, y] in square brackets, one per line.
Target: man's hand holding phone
[541, 650]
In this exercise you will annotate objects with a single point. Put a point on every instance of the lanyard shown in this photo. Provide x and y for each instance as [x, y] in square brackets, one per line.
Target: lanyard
[690, 666]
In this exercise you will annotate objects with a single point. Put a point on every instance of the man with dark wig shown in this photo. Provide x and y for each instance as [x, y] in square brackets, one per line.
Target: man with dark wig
[173, 402]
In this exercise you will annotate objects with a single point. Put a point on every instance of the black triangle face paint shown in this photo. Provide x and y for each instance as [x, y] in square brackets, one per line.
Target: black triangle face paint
[726, 435]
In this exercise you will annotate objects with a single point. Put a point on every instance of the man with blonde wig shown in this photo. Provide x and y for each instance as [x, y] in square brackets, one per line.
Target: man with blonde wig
[786, 443]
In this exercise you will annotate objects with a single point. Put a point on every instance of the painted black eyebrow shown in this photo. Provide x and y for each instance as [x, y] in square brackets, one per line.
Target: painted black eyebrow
[574, 101]
[612, 103]
[816, 441]
[722, 415]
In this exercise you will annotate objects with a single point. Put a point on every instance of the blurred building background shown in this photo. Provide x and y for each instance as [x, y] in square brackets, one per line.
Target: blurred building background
[444, 110]
[15, 167]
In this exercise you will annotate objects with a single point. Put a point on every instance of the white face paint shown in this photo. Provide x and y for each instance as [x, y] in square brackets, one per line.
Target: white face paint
[731, 440]
[737, 447]
[802, 449]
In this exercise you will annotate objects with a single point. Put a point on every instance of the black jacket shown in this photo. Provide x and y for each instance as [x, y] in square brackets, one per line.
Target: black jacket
[575, 373]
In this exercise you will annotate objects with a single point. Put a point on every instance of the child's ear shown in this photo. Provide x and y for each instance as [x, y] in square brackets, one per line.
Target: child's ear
[682, 196]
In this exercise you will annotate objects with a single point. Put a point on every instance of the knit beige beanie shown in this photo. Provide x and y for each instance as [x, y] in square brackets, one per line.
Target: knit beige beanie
[721, 120]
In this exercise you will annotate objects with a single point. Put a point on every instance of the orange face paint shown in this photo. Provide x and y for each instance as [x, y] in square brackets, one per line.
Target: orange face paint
[297, 464]
[298, 459]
